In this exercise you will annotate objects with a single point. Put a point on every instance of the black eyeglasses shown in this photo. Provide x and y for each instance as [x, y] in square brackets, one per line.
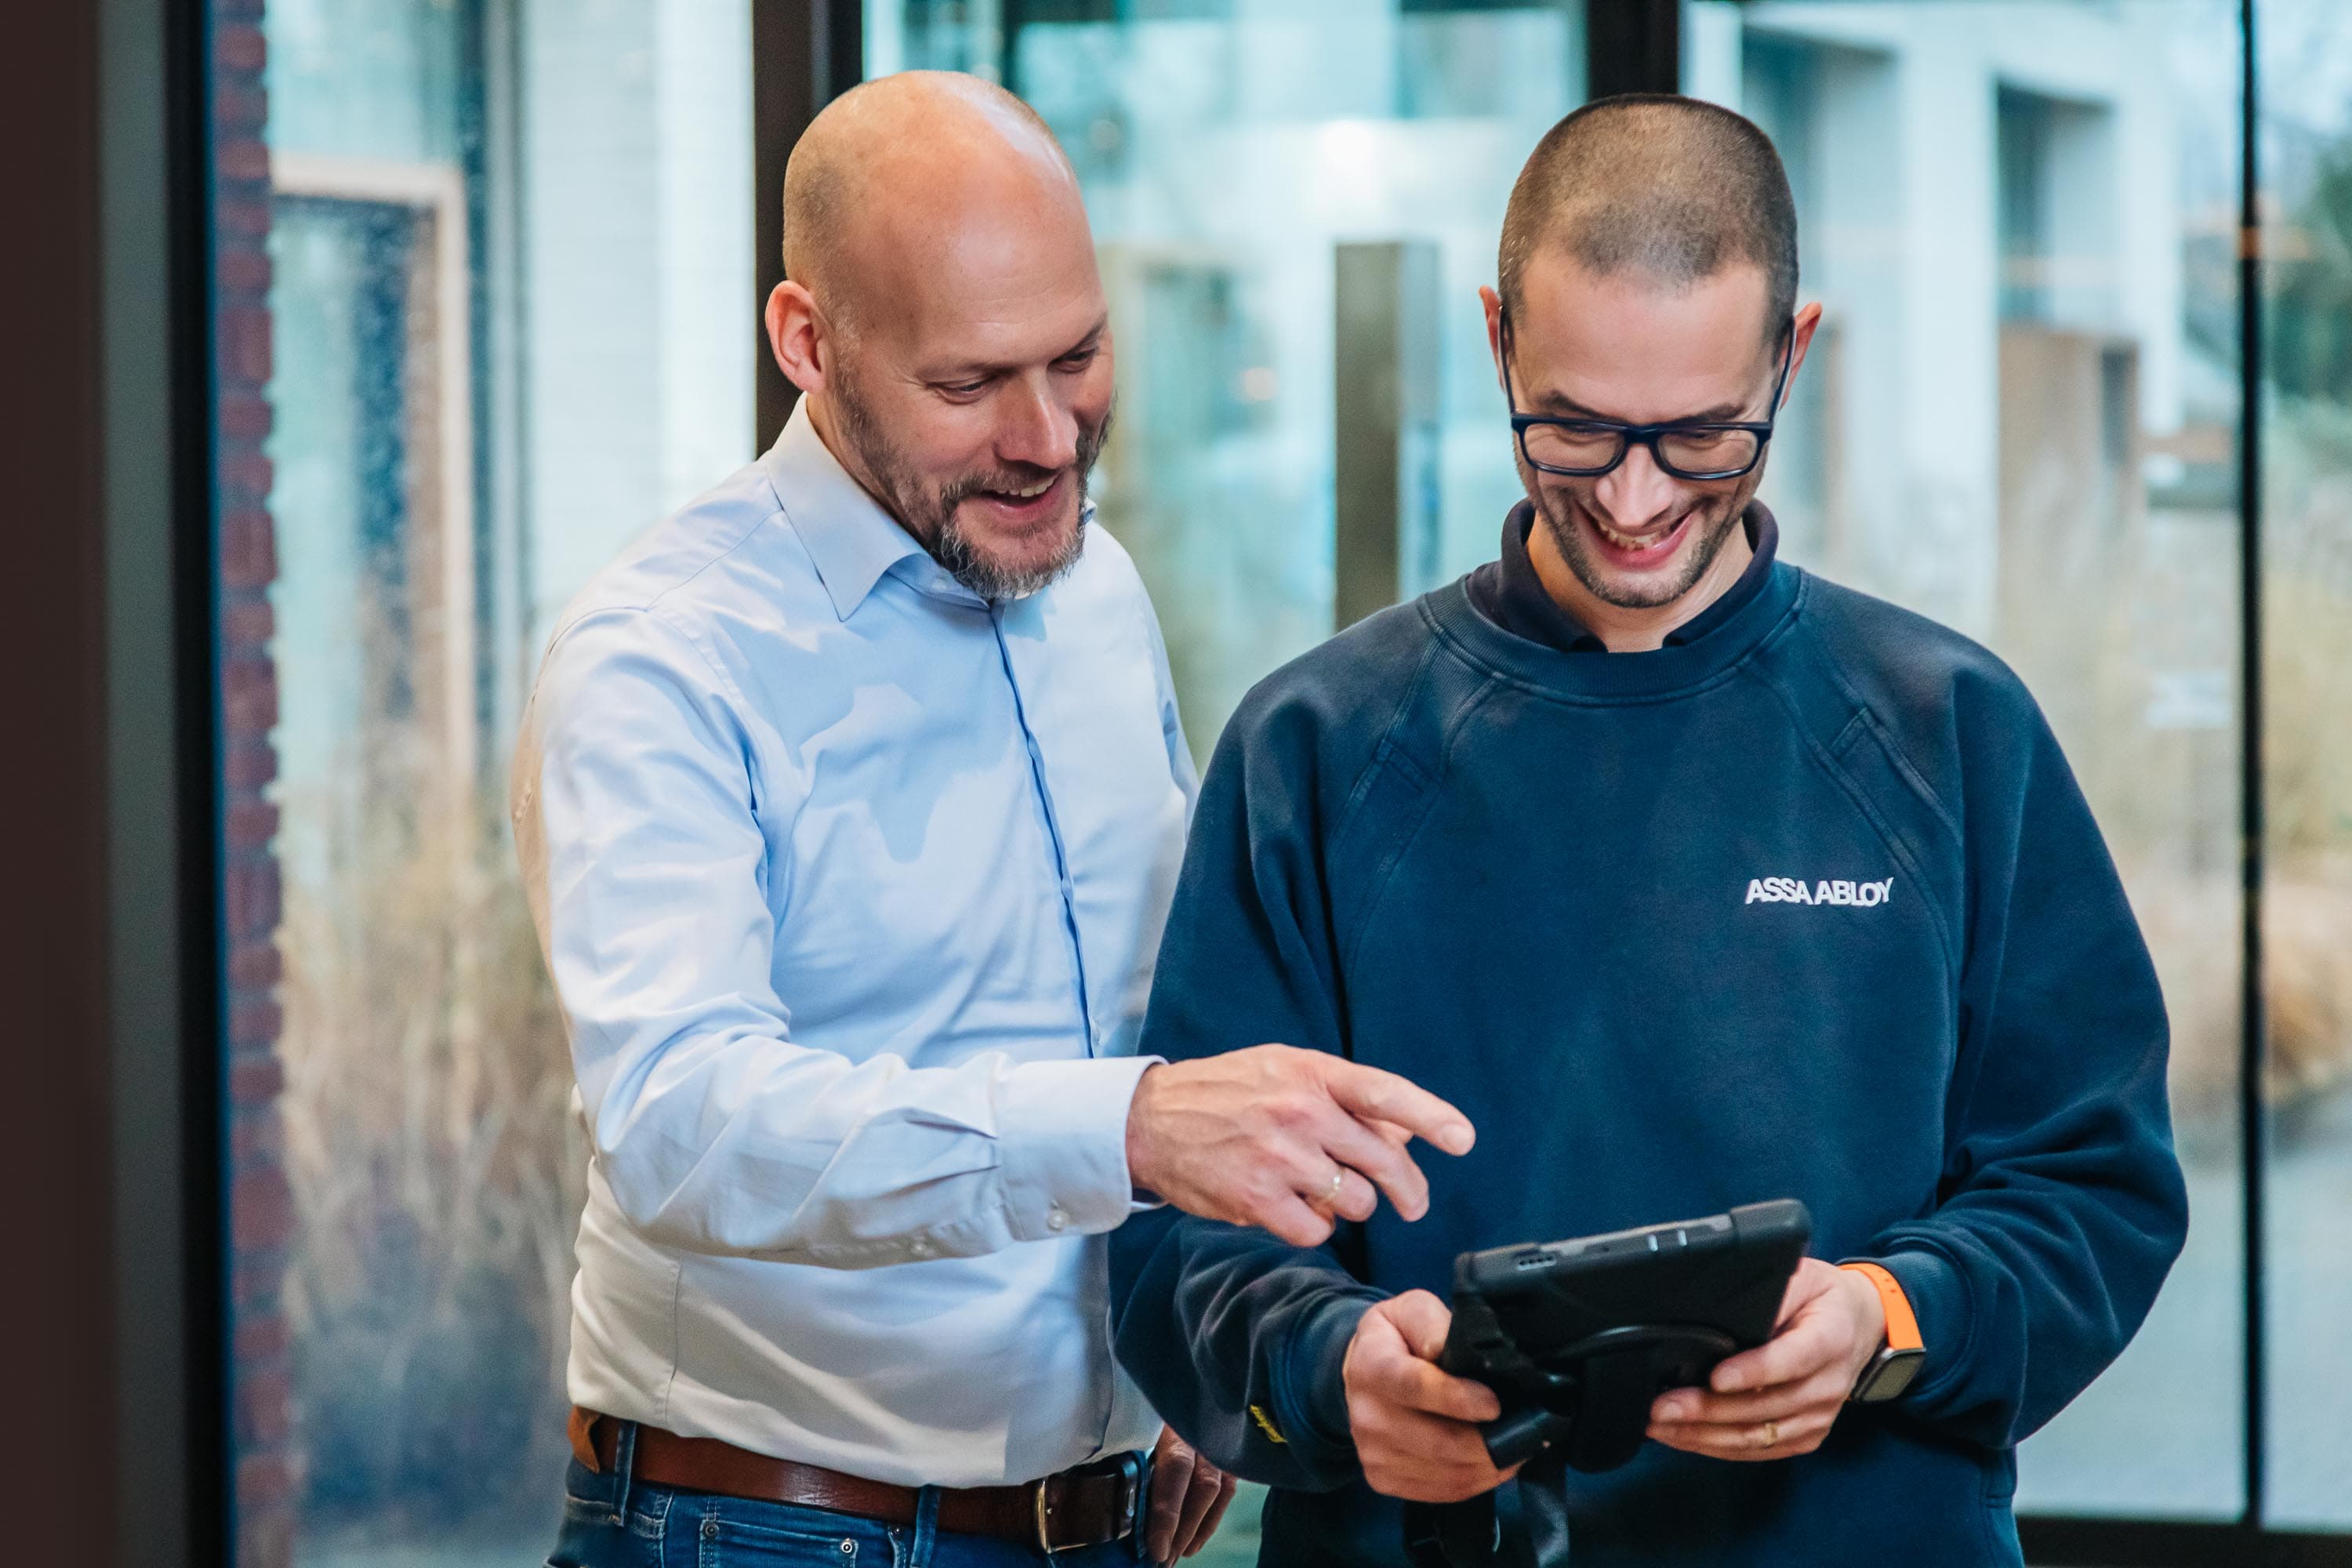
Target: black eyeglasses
[1689, 449]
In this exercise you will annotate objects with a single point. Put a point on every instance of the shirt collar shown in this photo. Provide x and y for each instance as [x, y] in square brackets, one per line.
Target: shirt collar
[851, 540]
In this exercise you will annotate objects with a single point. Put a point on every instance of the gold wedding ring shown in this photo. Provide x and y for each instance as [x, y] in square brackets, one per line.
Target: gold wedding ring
[1771, 1434]
[1338, 1180]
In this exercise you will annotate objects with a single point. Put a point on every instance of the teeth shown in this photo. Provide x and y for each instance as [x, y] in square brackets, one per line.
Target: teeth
[1033, 492]
[1626, 541]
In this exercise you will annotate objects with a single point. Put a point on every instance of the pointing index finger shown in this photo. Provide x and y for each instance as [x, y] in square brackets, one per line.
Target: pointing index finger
[1369, 1094]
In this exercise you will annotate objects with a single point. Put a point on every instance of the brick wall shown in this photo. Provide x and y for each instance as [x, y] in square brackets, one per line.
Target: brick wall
[267, 1459]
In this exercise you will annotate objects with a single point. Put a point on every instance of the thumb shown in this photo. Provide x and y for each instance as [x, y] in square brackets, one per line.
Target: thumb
[1422, 1319]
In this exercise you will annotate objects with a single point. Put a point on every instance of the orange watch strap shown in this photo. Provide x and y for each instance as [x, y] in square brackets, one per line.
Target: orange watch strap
[1902, 1324]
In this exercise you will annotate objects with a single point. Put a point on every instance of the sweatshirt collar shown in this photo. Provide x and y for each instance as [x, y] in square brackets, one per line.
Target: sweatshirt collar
[1680, 666]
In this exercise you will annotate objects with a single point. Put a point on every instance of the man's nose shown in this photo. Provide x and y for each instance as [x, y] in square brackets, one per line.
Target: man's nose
[1637, 492]
[1037, 427]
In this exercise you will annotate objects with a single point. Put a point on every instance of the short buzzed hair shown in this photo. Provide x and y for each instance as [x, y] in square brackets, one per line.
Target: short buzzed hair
[1674, 187]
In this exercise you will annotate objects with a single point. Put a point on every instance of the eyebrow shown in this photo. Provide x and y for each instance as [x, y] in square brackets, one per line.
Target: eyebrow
[1570, 408]
[970, 369]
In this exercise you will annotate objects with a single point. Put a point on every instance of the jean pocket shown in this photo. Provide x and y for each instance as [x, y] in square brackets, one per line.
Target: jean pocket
[736, 1533]
[589, 1538]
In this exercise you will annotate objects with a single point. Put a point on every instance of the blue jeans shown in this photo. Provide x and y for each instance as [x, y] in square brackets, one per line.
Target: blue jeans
[613, 1522]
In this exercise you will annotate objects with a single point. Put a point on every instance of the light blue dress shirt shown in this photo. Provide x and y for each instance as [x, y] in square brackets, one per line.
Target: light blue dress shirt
[850, 885]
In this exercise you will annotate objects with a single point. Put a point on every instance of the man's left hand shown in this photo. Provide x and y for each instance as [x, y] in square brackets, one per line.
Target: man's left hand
[1189, 1495]
[1780, 1399]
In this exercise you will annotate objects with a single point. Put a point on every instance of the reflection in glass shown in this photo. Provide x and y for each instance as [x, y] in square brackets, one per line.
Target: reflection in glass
[2021, 420]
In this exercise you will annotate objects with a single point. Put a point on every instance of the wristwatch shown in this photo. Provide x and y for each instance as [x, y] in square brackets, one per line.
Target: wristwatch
[1890, 1371]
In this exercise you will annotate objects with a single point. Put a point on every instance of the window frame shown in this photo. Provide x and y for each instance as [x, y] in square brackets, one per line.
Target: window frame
[160, 1126]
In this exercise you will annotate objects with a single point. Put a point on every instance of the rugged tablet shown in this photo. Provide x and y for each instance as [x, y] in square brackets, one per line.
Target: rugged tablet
[1578, 1337]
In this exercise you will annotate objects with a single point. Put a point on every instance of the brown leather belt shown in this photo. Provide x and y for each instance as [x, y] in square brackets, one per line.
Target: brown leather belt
[1082, 1507]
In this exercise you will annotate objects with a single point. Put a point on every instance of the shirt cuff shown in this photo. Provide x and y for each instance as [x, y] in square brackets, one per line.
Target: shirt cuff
[1062, 1145]
[1316, 1367]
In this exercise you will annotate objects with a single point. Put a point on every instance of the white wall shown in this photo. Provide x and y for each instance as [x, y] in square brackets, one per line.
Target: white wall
[639, 308]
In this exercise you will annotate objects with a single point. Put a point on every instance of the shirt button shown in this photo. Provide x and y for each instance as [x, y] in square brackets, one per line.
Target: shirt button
[1057, 1218]
[921, 1246]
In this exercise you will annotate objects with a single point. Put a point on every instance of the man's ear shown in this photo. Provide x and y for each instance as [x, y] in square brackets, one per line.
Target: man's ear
[1808, 321]
[1493, 304]
[797, 336]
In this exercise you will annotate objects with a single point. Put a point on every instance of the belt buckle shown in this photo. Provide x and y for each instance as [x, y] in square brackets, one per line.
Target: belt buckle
[1044, 1523]
[1130, 1472]
[1130, 1493]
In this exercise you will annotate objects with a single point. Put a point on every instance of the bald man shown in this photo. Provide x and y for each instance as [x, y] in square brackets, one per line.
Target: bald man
[848, 802]
[1700, 881]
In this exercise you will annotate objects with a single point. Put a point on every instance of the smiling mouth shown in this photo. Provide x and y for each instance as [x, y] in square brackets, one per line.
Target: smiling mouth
[1639, 549]
[1025, 503]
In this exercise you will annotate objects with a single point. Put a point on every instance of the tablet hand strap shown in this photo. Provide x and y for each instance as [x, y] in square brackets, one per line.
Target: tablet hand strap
[1591, 1399]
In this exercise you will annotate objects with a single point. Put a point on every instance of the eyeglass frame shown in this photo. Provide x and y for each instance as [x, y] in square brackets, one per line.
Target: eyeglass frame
[1630, 435]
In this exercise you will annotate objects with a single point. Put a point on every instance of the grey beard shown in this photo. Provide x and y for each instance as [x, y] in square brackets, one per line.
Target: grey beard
[951, 547]
[932, 520]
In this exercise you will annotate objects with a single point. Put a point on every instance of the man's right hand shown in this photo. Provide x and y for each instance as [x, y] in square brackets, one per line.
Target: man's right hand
[1416, 1426]
[1285, 1138]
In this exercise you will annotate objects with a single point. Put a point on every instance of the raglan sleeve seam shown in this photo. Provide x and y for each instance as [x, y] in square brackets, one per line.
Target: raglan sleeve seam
[1388, 756]
[1831, 759]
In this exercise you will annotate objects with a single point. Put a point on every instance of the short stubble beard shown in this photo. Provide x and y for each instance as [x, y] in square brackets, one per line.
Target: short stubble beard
[1554, 507]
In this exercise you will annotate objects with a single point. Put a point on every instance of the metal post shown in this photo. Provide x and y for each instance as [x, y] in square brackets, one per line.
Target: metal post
[2253, 1024]
[1384, 410]
[1633, 45]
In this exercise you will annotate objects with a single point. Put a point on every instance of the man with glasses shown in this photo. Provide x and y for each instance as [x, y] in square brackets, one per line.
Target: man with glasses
[1697, 881]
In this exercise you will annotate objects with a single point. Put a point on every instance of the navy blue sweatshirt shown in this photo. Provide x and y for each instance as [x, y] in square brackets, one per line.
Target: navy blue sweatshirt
[1808, 906]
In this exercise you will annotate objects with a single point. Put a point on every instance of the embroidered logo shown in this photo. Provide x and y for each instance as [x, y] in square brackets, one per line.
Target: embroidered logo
[1797, 891]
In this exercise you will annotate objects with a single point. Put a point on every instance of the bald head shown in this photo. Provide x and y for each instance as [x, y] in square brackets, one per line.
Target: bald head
[892, 166]
[1672, 188]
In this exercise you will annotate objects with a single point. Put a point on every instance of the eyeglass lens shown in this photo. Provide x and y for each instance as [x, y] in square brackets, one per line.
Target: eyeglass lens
[1597, 446]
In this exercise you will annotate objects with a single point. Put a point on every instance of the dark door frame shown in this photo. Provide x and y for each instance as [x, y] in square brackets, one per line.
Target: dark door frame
[113, 897]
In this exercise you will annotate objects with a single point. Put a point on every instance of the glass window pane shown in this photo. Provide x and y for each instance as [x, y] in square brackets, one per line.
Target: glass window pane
[486, 288]
[2306, 59]
[2020, 416]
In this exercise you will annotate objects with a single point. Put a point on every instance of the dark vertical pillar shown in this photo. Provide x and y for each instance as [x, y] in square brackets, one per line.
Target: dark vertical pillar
[1633, 45]
[2253, 1024]
[52, 636]
[804, 54]
[110, 877]
[1384, 408]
